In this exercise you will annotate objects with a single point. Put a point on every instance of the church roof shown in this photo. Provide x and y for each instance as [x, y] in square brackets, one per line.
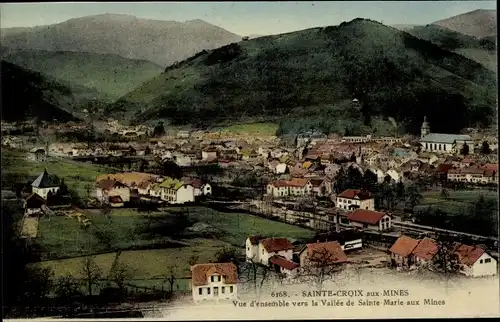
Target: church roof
[44, 181]
[445, 138]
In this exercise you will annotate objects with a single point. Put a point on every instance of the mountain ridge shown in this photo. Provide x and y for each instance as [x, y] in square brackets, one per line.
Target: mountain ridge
[278, 74]
[479, 23]
[125, 35]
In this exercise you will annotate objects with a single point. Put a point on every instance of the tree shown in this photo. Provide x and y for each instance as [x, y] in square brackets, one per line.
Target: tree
[445, 193]
[369, 181]
[446, 261]
[169, 277]
[159, 130]
[254, 275]
[480, 216]
[91, 272]
[400, 191]
[227, 255]
[465, 149]
[120, 273]
[413, 196]
[340, 183]
[485, 148]
[321, 265]
[68, 292]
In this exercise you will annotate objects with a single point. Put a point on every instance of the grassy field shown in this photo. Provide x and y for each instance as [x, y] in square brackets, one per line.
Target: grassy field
[267, 129]
[458, 201]
[77, 175]
[61, 236]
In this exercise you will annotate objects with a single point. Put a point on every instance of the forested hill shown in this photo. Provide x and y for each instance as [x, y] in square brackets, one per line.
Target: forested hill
[307, 76]
[27, 94]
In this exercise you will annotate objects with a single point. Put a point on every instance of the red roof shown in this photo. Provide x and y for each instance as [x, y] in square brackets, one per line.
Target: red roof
[353, 193]
[108, 184]
[426, 249]
[330, 252]
[283, 262]
[468, 255]
[201, 272]
[365, 216]
[272, 245]
[404, 246]
[444, 167]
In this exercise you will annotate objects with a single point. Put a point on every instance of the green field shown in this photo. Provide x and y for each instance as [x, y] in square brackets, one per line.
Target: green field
[267, 129]
[77, 175]
[458, 201]
[60, 237]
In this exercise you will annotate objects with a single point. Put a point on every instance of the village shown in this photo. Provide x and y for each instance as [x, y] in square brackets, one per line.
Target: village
[358, 195]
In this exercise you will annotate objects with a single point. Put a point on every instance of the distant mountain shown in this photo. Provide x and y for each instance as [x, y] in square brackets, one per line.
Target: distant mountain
[308, 79]
[481, 50]
[478, 23]
[27, 95]
[161, 42]
[106, 76]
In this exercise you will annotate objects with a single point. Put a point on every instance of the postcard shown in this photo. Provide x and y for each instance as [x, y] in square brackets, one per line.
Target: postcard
[249, 160]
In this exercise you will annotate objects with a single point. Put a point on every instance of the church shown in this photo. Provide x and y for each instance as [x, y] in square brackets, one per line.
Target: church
[443, 143]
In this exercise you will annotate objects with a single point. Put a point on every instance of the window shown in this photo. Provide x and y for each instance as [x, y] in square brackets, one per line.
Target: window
[200, 291]
[208, 290]
[223, 290]
[487, 260]
[230, 289]
[212, 278]
[480, 261]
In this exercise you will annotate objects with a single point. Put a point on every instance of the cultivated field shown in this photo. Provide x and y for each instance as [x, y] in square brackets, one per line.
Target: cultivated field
[458, 201]
[262, 129]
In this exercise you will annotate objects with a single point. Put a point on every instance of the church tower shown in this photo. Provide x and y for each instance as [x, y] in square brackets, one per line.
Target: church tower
[425, 129]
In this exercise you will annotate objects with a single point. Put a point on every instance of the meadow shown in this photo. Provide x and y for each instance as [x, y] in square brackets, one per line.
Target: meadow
[77, 175]
[458, 201]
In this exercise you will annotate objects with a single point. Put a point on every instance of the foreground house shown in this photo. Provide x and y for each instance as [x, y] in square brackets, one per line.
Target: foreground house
[327, 253]
[214, 281]
[425, 252]
[44, 184]
[283, 266]
[252, 248]
[108, 188]
[368, 219]
[475, 261]
[401, 251]
[353, 198]
[269, 247]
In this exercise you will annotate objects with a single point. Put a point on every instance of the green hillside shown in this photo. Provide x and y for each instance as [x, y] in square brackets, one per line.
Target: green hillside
[104, 76]
[27, 94]
[481, 50]
[311, 74]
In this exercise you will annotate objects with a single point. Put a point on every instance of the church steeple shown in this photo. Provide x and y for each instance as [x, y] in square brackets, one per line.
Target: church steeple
[425, 129]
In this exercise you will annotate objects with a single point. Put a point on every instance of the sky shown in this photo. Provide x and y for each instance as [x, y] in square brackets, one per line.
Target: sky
[246, 18]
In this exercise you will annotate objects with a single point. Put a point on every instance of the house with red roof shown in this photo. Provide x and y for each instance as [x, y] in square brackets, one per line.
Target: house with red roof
[283, 266]
[293, 187]
[269, 247]
[326, 253]
[475, 261]
[401, 251]
[107, 188]
[214, 281]
[352, 199]
[473, 175]
[252, 248]
[368, 219]
[425, 252]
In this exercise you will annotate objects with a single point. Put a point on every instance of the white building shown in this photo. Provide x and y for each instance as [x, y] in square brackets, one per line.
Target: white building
[444, 143]
[108, 188]
[269, 247]
[353, 199]
[214, 281]
[322, 253]
[176, 192]
[475, 261]
[252, 248]
[367, 219]
[44, 184]
[294, 187]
